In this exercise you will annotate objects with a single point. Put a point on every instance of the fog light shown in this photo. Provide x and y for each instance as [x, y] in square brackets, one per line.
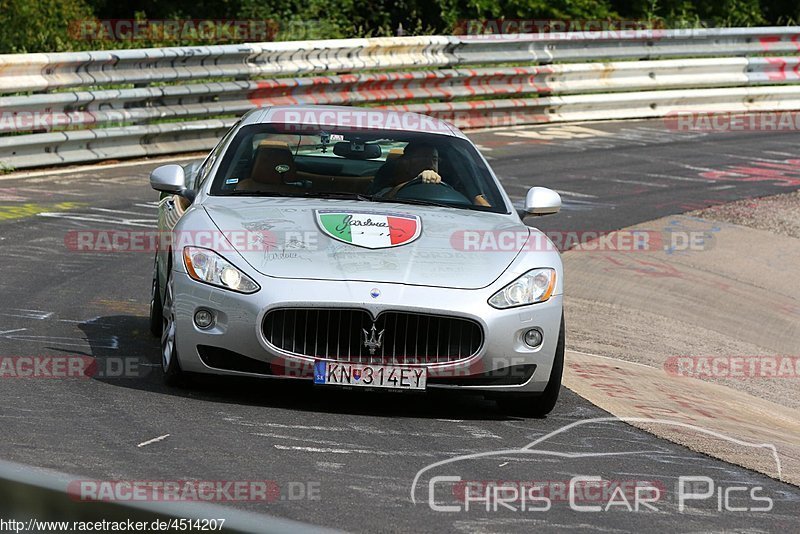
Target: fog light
[533, 338]
[203, 318]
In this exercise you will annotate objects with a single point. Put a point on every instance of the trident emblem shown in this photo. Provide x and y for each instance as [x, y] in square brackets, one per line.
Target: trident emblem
[370, 341]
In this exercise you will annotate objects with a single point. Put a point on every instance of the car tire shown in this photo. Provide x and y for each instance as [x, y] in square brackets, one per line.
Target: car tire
[539, 404]
[170, 364]
[156, 307]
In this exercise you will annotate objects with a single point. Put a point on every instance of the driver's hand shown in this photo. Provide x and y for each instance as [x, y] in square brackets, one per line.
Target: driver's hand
[430, 177]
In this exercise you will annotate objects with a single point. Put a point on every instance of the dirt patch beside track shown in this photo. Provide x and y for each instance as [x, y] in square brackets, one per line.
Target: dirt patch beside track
[712, 311]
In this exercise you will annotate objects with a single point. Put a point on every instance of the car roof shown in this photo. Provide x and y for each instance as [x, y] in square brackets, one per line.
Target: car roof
[352, 116]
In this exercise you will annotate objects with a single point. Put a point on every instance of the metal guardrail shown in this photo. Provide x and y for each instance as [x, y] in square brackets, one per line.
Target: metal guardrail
[35, 497]
[719, 67]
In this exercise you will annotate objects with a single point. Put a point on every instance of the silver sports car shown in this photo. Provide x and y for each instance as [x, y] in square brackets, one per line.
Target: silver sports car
[354, 247]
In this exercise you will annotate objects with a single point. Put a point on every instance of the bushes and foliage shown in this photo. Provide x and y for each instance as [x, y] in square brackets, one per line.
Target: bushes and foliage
[50, 25]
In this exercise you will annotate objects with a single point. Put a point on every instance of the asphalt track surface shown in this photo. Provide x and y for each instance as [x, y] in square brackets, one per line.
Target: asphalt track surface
[356, 452]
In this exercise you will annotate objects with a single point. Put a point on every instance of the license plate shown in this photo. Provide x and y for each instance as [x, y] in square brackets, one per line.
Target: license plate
[373, 376]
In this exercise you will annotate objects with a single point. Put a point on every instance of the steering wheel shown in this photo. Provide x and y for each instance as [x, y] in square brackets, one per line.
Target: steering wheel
[417, 181]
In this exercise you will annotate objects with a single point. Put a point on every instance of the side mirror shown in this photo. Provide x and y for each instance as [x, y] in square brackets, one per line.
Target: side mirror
[542, 201]
[168, 179]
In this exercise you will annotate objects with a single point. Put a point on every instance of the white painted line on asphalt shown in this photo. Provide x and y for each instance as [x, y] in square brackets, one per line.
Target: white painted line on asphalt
[12, 331]
[636, 182]
[477, 432]
[103, 343]
[329, 465]
[721, 187]
[354, 429]
[89, 168]
[82, 321]
[573, 194]
[754, 158]
[304, 439]
[107, 210]
[679, 178]
[330, 450]
[28, 314]
[694, 168]
[154, 440]
[296, 427]
[786, 154]
[145, 223]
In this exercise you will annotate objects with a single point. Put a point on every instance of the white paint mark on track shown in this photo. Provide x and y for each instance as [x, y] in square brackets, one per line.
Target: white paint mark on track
[154, 440]
[332, 450]
[573, 194]
[636, 182]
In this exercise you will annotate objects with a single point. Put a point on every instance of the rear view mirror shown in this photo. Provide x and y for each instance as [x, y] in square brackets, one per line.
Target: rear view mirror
[542, 201]
[356, 150]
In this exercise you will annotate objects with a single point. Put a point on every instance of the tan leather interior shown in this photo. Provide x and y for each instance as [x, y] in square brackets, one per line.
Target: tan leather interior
[271, 157]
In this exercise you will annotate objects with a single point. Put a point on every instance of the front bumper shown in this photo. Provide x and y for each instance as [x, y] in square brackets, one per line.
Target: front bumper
[237, 327]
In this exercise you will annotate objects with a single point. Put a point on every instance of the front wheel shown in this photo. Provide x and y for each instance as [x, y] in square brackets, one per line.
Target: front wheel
[156, 307]
[539, 404]
[173, 375]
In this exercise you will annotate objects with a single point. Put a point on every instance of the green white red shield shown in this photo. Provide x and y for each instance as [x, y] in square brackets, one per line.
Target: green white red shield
[370, 229]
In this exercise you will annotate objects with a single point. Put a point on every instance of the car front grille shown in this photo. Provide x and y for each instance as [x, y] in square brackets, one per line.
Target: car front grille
[345, 335]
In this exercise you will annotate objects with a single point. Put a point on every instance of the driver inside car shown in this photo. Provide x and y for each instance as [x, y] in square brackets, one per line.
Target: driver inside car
[419, 161]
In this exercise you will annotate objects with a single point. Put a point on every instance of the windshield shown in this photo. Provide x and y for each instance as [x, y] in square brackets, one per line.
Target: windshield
[367, 165]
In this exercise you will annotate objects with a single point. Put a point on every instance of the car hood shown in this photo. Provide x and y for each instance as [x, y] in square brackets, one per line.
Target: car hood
[295, 244]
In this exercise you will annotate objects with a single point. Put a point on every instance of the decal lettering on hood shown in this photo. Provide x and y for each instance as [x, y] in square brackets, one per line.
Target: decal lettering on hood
[370, 229]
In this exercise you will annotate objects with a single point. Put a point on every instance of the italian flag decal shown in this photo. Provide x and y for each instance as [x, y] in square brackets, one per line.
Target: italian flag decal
[370, 229]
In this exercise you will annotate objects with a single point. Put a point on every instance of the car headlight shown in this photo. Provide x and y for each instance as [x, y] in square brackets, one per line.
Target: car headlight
[532, 287]
[209, 267]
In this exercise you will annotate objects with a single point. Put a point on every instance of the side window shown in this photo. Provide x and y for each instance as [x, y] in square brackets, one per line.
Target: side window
[208, 164]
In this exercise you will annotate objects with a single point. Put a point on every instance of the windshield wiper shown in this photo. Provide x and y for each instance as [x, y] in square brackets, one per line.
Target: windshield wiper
[242, 193]
[417, 202]
[339, 195]
[323, 194]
